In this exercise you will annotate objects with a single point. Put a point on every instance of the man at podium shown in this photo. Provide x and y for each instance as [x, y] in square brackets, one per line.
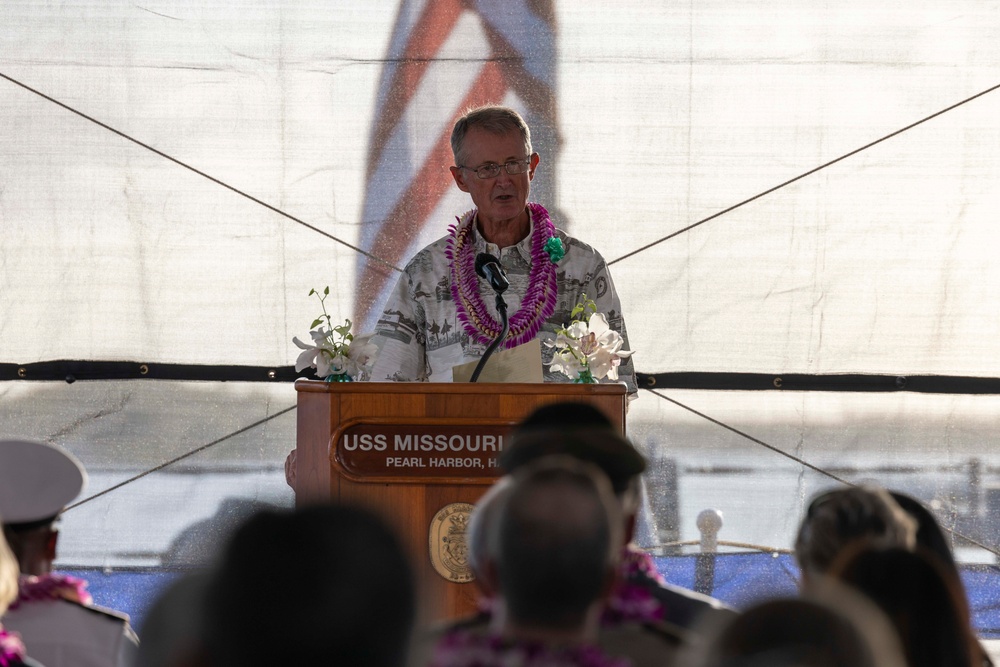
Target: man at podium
[442, 314]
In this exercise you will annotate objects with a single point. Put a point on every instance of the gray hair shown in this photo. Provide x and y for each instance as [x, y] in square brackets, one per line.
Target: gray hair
[493, 118]
[556, 541]
[841, 517]
[481, 523]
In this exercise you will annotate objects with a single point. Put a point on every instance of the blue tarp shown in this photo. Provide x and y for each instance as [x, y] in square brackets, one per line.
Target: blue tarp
[745, 578]
[740, 580]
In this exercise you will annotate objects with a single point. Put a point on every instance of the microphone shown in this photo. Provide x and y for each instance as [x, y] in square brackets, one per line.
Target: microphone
[488, 267]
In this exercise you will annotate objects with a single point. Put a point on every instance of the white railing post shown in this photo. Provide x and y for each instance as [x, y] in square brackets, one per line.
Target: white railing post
[709, 524]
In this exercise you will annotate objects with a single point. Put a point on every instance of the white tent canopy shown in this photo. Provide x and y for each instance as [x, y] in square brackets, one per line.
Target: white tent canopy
[881, 263]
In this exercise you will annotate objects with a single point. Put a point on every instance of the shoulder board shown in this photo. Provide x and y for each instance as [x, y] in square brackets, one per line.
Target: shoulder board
[104, 611]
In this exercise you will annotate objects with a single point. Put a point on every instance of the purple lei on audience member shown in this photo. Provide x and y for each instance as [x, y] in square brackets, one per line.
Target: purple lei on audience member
[51, 587]
[11, 648]
[631, 599]
[462, 648]
[539, 300]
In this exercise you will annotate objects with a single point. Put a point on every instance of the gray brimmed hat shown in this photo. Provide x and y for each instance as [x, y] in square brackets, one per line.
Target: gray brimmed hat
[37, 480]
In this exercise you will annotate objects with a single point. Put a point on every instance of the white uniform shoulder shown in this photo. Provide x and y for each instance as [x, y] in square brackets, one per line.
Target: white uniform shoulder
[60, 633]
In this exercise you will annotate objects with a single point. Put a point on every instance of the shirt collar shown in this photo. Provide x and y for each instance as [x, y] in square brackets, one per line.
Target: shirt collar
[523, 246]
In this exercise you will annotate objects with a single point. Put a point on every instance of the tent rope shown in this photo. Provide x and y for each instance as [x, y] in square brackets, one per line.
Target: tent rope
[397, 269]
[201, 173]
[174, 460]
[803, 175]
[993, 550]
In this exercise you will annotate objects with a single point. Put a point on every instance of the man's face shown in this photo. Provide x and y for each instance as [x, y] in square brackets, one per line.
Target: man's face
[502, 198]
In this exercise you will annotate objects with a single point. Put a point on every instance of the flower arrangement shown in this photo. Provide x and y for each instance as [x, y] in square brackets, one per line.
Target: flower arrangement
[337, 355]
[588, 350]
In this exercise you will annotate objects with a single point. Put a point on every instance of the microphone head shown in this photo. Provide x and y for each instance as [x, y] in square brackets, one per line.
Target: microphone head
[482, 259]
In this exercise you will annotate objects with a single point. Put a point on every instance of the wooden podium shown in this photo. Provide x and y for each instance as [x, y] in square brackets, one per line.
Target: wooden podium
[420, 454]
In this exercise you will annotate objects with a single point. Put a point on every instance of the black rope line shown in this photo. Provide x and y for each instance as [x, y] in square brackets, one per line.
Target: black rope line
[180, 458]
[73, 370]
[202, 173]
[802, 462]
[803, 175]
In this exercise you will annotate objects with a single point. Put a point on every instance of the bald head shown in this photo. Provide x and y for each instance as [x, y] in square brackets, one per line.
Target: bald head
[555, 543]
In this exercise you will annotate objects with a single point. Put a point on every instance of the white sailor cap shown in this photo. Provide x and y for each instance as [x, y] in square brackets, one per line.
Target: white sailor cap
[37, 480]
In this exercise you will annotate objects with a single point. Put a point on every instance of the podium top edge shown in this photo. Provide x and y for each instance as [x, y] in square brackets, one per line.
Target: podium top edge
[569, 389]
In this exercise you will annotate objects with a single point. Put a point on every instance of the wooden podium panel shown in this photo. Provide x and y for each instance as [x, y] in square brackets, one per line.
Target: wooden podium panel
[414, 453]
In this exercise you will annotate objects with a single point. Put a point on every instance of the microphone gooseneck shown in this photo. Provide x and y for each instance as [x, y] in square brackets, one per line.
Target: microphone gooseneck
[489, 269]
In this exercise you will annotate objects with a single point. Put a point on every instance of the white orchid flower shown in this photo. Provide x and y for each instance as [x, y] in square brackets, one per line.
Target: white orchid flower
[308, 358]
[361, 356]
[325, 356]
[592, 345]
[564, 361]
[335, 352]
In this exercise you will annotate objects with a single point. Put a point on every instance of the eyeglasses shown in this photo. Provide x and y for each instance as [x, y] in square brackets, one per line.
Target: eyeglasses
[492, 169]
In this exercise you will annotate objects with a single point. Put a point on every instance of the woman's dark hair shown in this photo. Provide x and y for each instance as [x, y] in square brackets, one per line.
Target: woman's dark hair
[320, 585]
[920, 598]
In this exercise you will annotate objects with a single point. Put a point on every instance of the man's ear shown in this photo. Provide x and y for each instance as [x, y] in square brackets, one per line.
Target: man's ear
[50, 545]
[532, 165]
[459, 175]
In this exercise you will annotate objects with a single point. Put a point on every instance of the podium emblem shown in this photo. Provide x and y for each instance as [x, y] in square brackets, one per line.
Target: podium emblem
[449, 550]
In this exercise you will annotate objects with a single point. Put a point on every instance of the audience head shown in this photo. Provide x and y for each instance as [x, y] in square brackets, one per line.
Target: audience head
[841, 517]
[838, 629]
[929, 533]
[37, 481]
[585, 433]
[172, 631]
[921, 599]
[481, 522]
[555, 544]
[307, 587]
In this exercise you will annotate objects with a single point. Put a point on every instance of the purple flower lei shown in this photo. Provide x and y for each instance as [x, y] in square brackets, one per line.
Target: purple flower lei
[11, 648]
[51, 587]
[539, 300]
[631, 598]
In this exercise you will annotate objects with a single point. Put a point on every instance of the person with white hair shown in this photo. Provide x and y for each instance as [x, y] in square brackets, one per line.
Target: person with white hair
[441, 314]
[583, 432]
[552, 552]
